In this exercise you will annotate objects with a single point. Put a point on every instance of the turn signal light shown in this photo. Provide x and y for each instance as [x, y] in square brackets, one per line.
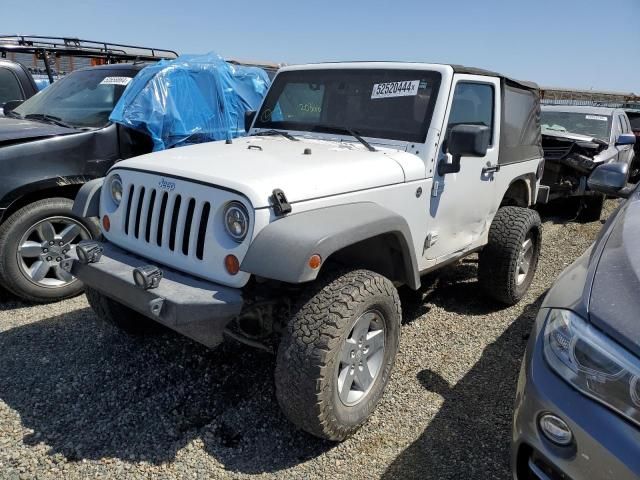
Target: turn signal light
[232, 264]
[315, 261]
[106, 223]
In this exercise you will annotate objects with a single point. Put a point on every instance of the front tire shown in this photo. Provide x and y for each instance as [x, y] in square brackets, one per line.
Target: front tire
[337, 353]
[507, 264]
[33, 241]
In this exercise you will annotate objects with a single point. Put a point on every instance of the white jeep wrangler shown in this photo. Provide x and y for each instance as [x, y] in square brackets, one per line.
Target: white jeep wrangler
[355, 178]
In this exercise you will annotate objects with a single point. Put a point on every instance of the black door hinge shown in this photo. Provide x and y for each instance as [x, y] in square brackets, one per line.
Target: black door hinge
[280, 204]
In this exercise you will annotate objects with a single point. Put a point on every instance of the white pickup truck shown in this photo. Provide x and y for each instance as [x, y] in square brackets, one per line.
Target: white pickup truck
[355, 179]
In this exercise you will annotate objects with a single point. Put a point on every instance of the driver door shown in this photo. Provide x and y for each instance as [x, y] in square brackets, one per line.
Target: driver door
[462, 204]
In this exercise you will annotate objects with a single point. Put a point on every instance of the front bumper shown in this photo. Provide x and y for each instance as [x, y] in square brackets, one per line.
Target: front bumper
[605, 445]
[196, 308]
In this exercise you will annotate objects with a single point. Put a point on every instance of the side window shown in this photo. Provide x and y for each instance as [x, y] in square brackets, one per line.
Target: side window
[472, 104]
[9, 87]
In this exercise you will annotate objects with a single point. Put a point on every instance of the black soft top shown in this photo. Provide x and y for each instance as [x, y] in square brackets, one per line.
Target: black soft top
[480, 71]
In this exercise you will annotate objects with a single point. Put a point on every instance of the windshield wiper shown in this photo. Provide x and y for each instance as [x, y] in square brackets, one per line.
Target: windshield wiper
[348, 131]
[49, 119]
[276, 132]
[13, 114]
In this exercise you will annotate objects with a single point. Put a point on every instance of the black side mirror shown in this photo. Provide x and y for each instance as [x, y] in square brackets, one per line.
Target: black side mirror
[11, 105]
[248, 119]
[465, 141]
[609, 178]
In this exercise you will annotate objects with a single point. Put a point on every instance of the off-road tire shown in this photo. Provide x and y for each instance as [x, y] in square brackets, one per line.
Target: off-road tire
[119, 316]
[591, 208]
[308, 357]
[12, 230]
[498, 260]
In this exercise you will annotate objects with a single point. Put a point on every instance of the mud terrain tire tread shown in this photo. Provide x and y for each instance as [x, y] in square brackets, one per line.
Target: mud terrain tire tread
[307, 356]
[497, 263]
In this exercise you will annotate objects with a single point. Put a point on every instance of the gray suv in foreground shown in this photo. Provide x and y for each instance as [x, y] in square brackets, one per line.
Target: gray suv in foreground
[577, 412]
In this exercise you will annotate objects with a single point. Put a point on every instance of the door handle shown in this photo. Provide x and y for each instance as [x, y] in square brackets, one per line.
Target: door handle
[491, 169]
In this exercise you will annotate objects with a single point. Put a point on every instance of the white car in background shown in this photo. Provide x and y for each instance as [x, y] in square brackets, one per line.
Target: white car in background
[577, 139]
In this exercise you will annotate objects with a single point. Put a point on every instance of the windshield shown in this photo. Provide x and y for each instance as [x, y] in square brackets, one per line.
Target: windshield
[387, 104]
[592, 125]
[81, 99]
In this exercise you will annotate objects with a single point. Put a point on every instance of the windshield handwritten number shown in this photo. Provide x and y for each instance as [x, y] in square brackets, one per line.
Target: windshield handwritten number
[309, 108]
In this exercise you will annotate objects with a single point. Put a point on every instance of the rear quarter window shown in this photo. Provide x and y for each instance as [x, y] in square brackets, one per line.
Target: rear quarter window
[10, 88]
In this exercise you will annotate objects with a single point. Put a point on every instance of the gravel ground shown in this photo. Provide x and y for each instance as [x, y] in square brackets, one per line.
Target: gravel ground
[79, 401]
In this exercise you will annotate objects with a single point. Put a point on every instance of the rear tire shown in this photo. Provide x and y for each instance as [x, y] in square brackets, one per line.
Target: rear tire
[29, 263]
[591, 208]
[337, 353]
[507, 264]
[117, 315]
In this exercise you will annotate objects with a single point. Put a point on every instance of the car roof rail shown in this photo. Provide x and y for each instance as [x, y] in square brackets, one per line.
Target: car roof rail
[102, 52]
[110, 52]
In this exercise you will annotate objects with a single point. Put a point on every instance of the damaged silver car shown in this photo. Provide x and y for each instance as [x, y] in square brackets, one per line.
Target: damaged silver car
[576, 139]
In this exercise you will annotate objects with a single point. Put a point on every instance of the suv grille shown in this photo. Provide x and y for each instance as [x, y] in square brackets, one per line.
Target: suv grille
[168, 220]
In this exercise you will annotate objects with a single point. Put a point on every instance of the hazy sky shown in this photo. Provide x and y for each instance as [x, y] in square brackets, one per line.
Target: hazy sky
[568, 43]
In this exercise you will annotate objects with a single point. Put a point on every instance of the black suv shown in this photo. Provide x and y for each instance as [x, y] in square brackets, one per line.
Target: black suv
[16, 82]
[50, 145]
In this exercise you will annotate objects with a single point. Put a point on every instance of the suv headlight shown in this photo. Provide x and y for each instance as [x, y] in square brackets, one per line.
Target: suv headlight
[236, 221]
[593, 363]
[115, 188]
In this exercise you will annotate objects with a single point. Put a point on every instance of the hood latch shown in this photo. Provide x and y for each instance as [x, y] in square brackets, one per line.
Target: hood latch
[281, 205]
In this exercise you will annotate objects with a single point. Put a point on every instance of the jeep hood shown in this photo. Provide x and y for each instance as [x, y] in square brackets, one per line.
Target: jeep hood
[16, 130]
[304, 169]
[614, 302]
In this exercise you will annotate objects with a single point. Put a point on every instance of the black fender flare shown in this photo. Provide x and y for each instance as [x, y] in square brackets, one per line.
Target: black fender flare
[281, 250]
[87, 201]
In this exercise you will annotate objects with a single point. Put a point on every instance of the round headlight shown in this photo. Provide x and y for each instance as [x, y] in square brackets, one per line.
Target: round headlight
[236, 221]
[115, 187]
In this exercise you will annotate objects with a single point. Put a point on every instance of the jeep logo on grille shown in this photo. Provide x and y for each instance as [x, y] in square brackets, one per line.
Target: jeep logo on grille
[166, 185]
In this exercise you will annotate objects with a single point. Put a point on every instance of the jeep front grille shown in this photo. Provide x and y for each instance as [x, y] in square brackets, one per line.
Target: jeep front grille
[169, 220]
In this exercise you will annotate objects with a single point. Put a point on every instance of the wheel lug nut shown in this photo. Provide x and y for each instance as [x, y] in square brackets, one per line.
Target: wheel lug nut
[45, 250]
[58, 259]
[48, 259]
[61, 243]
[50, 243]
[353, 353]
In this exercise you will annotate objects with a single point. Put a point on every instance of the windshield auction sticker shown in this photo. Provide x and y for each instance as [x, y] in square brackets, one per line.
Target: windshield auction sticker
[596, 117]
[115, 81]
[407, 88]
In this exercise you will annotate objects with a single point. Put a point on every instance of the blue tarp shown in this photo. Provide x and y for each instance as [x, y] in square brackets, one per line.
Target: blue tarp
[41, 82]
[193, 99]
